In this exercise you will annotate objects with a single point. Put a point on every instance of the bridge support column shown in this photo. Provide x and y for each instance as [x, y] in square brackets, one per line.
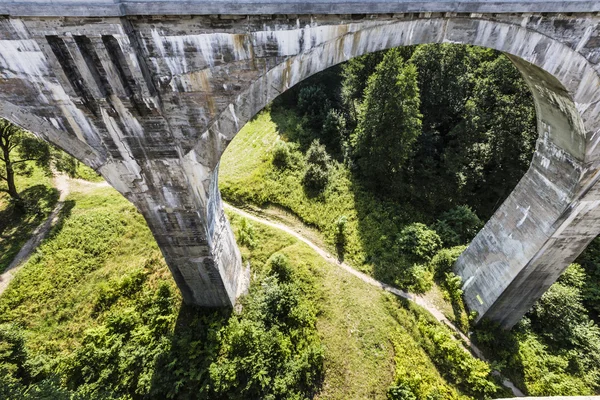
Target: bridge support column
[545, 223]
[180, 200]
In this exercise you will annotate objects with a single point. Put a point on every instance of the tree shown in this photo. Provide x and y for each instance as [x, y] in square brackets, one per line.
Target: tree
[446, 81]
[317, 171]
[17, 147]
[389, 124]
[498, 137]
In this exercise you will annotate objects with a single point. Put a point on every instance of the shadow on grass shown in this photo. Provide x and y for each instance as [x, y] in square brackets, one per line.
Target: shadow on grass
[18, 223]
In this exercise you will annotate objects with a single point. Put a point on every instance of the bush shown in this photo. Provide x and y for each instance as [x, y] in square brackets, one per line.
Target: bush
[280, 267]
[316, 175]
[473, 376]
[419, 242]
[444, 260]
[12, 352]
[315, 178]
[282, 157]
[317, 155]
[271, 351]
[400, 391]
[421, 278]
[458, 226]
[246, 236]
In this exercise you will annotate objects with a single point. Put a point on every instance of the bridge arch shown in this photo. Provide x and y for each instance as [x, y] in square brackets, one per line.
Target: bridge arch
[516, 256]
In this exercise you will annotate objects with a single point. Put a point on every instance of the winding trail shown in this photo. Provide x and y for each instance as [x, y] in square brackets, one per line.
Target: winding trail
[417, 299]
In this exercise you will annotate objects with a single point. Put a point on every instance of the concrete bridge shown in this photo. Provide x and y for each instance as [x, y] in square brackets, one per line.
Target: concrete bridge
[149, 94]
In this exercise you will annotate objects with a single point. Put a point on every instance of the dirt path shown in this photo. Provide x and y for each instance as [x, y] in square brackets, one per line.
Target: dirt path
[420, 300]
[63, 183]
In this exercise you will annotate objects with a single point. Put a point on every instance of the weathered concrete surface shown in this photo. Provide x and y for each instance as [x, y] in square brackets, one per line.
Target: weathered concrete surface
[151, 102]
[119, 8]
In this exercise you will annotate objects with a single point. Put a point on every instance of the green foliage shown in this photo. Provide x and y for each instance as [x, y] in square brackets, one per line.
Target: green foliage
[13, 355]
[562, 302]
[590, 261]
[20, 151]
[544, 357]
[246, 235]
[99, 313]
[444, 260]
[458, 226]
[400, 391]
[316, 176]
[272, 350]
[282, 157]
[333, 132]
[418, 241]
[388, 125]
[111, 291]
[314, 105]
[470, 374]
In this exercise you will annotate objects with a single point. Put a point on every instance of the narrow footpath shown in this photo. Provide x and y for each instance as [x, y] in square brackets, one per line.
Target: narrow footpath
[420, 300]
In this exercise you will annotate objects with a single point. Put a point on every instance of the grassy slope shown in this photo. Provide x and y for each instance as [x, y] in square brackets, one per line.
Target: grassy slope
[103, 240]
[102, 237]
[247, 176]
[16, 226]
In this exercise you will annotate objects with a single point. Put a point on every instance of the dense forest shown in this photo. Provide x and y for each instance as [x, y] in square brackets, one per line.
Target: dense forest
[393, 161]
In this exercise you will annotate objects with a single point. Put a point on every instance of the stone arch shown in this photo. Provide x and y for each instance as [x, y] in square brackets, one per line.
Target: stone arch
[539, 229]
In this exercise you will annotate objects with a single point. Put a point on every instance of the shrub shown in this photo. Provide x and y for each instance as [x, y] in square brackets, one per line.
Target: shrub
[272, 350]
[458, 226]
[340, 232]
[316, 175]
[444, 260]
[315, 178]
[317, 155]
[473, 376]
[453, 285]
[400, 391]
[421, 278]
[282, 157]
[246, 236]
[281, 267]
[12, 351]
[419, 242]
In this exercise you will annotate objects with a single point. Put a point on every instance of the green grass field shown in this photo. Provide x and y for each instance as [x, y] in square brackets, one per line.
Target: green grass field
[17, 225]
[101, 267]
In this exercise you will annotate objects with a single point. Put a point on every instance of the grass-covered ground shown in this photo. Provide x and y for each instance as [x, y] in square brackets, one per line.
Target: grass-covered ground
[539, 356]
[95, 312]
[17, 225]
[247, 176]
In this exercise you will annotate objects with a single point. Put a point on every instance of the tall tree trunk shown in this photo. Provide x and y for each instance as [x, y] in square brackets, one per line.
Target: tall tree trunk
[10, 177]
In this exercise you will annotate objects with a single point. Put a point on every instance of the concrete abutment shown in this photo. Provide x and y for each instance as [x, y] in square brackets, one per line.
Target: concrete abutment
[151, 102]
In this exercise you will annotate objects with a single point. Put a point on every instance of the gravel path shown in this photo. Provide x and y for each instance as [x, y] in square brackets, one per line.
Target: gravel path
[420, 300]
